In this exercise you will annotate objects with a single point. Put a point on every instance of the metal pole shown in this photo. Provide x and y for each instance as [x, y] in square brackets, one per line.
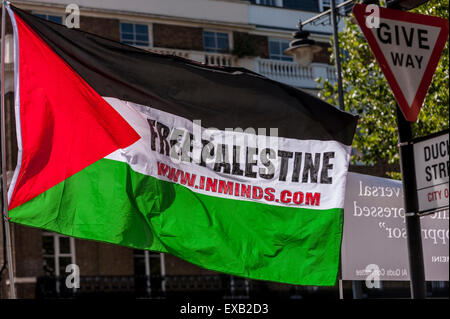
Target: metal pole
[412, 219]
[326, 12]
[337, 55]
[341, 289]
[12, 287]
[357, 289]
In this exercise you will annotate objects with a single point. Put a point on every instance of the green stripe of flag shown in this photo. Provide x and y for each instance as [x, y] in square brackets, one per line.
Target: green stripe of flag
[109, 202]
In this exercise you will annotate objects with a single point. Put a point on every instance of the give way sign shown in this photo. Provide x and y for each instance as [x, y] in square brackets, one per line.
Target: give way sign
[407, 47]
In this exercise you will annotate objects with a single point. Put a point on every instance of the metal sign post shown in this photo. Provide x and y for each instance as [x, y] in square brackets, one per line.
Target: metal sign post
[412, 219]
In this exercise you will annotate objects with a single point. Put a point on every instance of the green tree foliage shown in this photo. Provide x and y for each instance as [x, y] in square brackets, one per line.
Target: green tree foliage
[368, 94]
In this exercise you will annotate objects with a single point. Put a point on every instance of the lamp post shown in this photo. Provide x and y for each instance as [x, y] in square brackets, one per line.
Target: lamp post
[303, 49]
[337, 54]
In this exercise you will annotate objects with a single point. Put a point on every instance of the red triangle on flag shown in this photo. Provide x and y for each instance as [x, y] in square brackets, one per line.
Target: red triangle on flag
[65, 125]
[407, 47]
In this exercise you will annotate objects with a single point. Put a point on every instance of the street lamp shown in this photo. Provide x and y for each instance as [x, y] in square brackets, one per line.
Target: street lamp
[302, 48]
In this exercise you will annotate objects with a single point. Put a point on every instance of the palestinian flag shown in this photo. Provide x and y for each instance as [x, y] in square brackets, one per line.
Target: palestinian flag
[143, 150]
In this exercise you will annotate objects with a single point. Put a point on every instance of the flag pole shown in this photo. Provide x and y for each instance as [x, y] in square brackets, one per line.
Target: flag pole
[12, 287]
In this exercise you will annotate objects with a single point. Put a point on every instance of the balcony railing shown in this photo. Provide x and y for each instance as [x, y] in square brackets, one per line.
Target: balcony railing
[220, 286]
[208, 58]
[293, 74]
[219, 59]
[283, 71]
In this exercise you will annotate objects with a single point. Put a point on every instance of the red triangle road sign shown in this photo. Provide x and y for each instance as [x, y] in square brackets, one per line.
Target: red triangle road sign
[407, 47]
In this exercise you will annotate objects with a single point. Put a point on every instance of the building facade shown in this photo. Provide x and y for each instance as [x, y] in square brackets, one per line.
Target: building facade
[251, 34]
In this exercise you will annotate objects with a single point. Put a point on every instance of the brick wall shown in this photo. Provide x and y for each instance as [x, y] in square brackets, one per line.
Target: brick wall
[108, 28]
[177, 37]
[177, 266]
[261, 43]
[105, 27]
[101, 259]
[115, 260]
[27, 257]
[87, 259]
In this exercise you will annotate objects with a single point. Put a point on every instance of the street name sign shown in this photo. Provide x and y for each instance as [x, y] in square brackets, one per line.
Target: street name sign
[407, 47]
[432, 165]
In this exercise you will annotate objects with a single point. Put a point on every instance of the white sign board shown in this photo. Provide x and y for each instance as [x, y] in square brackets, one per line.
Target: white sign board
[432, 166]
[375, 233]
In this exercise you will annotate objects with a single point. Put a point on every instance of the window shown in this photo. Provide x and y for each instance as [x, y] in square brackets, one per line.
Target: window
[58, 251]
[325, 5]
[276, 50]
[215, 41]
[49, 17]
[147, 264]
[304, 5]
[239, 287]
[134, 34]
[266, 2]
[272, 3]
